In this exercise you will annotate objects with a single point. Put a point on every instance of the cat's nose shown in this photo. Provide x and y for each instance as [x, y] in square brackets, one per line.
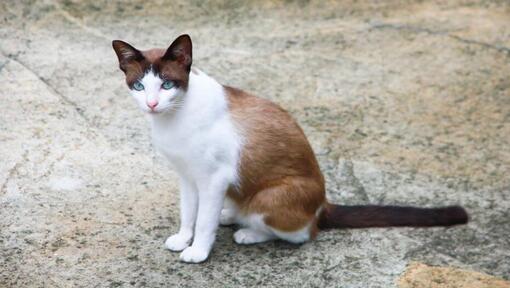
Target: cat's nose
[152, 104]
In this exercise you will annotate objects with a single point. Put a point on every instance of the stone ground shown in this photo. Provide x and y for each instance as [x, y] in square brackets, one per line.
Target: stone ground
[404, 103]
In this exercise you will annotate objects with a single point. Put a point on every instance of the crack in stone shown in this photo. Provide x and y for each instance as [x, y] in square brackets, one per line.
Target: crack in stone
[79, 23]
[408, 28]
[12, 172]
[414, 29]
[48, 171]
[62, 97]
[347, 172]
[499, 48]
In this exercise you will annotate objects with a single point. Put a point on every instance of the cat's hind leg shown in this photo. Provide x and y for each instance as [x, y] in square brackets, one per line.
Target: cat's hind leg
[290, 210]
[253, 230]
[297, 237]
[257, 231]
[302, 229]
[252, 236]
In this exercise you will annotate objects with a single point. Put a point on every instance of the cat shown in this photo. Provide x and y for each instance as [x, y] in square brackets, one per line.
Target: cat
[241, 160]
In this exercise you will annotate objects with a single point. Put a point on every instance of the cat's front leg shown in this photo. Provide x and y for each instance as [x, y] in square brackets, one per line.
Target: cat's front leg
[188, 212]
[211, 193]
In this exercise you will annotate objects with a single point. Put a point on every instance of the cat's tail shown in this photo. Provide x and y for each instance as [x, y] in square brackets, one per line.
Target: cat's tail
[363, 216]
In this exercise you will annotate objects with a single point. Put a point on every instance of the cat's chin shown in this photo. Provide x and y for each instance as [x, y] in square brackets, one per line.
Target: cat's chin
[153, 113]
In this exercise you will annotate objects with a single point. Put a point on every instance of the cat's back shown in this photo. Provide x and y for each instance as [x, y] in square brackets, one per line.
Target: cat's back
[247, 108]
[259, 119]
[274, 146]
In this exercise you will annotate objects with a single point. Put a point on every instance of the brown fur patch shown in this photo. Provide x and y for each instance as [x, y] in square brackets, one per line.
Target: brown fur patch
[153, 55]
[171, 70]
[279, 175]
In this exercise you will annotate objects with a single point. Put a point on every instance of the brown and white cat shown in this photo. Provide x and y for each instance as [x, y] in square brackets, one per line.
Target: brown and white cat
[241, 160]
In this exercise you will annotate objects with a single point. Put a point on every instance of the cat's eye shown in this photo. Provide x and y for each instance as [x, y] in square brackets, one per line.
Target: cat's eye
[138, 86]
[167, 85]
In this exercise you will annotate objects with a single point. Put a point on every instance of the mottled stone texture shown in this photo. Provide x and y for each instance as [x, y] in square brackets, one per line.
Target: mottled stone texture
[404, 102]
[419, 275]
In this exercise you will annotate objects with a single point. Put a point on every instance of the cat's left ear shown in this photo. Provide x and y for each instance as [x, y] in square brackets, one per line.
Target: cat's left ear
[180, 51]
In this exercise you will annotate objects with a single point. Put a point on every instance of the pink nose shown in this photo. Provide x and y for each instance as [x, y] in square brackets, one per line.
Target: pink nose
[152, 104]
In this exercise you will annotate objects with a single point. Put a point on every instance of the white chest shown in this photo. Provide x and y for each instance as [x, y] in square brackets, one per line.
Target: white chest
[201, 138]
[202, 150]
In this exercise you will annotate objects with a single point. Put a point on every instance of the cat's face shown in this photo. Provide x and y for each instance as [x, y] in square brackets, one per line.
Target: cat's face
[157, 78]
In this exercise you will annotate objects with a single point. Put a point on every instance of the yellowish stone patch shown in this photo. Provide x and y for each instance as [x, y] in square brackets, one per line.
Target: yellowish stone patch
[418, 275]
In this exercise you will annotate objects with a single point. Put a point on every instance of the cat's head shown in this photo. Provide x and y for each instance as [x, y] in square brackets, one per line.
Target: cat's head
[157, 78]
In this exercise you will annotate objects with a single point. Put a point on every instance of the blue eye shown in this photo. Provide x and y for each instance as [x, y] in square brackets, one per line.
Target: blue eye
[167, 85]
[138, 86]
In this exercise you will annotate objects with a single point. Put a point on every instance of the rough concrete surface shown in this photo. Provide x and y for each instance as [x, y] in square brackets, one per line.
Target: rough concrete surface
[404, 102]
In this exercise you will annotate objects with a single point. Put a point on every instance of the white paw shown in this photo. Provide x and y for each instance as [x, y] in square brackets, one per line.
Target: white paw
[227, 217]
[194, 255]
[250, 236]
[178, 242]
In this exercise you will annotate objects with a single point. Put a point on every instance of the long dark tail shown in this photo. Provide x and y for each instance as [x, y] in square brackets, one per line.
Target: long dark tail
[362, 216]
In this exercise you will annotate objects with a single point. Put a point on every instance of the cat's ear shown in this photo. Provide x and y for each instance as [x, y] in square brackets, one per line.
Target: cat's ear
[126, 53]
[180, 51]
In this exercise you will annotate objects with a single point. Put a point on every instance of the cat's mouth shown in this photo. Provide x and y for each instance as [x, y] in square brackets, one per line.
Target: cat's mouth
[159, 111]
[154, 112]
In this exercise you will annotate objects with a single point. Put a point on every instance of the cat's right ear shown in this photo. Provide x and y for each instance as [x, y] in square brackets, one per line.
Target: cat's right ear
[126, 53]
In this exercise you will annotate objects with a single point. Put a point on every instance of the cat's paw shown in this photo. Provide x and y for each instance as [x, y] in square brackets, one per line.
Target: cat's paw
[227, 217]
[249, 236]
[178, 242]
[194, 255]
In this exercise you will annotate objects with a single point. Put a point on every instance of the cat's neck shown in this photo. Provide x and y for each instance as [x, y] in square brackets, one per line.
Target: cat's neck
[202, 103]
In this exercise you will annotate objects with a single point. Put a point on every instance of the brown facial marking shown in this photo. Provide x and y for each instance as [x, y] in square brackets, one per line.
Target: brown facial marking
[171, 64]
[153, 55]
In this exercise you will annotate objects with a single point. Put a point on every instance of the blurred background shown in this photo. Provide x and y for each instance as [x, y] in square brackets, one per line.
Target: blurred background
[404, 102]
